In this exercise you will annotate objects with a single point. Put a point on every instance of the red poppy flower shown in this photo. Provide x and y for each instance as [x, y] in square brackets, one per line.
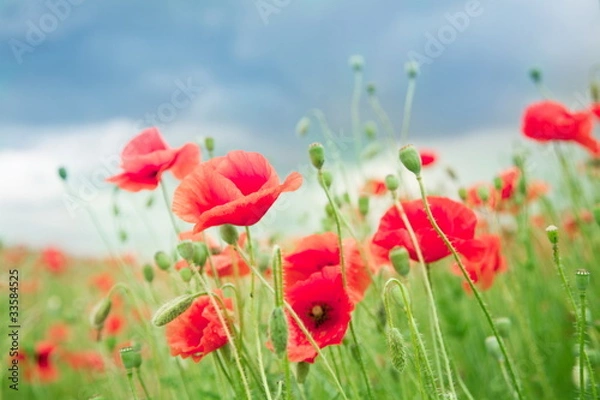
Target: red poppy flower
[428, 157]
[324, 308]
[103, 281]
[181, 264]
[237, 189]
[147, 156]
[316, 252]
[114, 324]
[483, 271]
[457, 221]
[227, 263]
[596, 109]
[547, 121]
[85, 360]
[39, 366]
[374, 187]
[54, 260]
[58, 333]
[197, 331]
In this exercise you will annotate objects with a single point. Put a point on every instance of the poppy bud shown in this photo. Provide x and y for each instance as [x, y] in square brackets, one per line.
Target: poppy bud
[200, 254]
[397, 348]
[400, 260]
[503, 325]
[123, 236]
[302, 126]
[451, 173]
[278, 331]
[316, 151]
[552, 232]
[62, 173]
[209, 143]
[229, 234]
[162, 260]
[595, 92]
[363, 205]
[596, 212]
[535, 74]
[185, 274]
[148, 272]
[346, 198]
[100, 313]
[462, 193]
[130, 357]
[326, 178]
[484, 193]
[111, 343]
[150, 201]
[498, 183]
[302, 369]
[357, 62]
[412, 69]
[172, 309]
[370, 130]
[582, 279]
[493, 347]
[329, 210]
[186, 250]
[391, 182]
[410, 158]
[371, 88]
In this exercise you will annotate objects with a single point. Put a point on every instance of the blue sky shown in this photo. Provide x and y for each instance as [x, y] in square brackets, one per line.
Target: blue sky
[80, 92]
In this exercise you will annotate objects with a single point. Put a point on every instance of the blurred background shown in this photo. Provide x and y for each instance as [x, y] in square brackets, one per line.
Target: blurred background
[79, 78]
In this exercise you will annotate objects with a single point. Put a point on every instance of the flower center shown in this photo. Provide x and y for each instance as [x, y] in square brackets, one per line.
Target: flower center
[318, 313]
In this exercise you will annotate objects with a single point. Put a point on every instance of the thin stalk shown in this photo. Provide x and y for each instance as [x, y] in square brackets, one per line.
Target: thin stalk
[139, 376]
[408, 102]
[163, 188]
[338, 226]
[358, 78]
[582, 355]
[474, 289]
[131, 385]
[561, 271]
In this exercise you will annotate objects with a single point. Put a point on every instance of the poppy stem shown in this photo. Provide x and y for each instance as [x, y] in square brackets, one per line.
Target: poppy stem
[355, 108]
[428, 290]
[139, 376]
[410, 94]
[383, 117]
[582, 354]
[163, 188]
[338, 226]
[472, 286]
[131, 385]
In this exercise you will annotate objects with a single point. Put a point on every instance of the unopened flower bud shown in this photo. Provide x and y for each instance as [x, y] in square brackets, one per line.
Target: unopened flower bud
[371, 130]
[552, 233]
[278, 331]
[400, 260]
[595, 92]
[503, 325]
[302, 126]
[209, 143]
[185, 274]
[172, 309]
[483, 193]
[357, 62]
[493, 347]
[229, 234]
[316, 151]
[130, 357]
[111, 343]
[326, 178]
[363, 205]
[163, 261]
[371, 88]
[498, 183]
[397, 348]
[123, 236]
[186, 250]
[410, 158]
[535, 74]
[148, 272]
[100, 313]
[329, 210]
[62, 173]
[462, 193]
[391, 182]
[412, 69]
[302, 369]
[582, 279]
[200, 254]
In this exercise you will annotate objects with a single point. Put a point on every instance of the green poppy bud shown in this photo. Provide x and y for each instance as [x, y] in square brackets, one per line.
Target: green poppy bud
[130, 357]
[185, 274]
[316, 151]
[397, 348]
[363, 205]
[62, 173]
[370, 130]
[357, 62]
[163, 261]
[400, 260]
[371, 88]
[503, 325]
[410, 158]
[186, 250]
[412, 69]
[229, 234]
[200, 254]
[209, 143]
[391, 182]
[326, 178]
[582, 279]
[303, 126]
[535, 74]
[100, 313]
[552, 233]
[172, 309]
[278, 331]
[148, 272]
[302, 369]
[493, 347]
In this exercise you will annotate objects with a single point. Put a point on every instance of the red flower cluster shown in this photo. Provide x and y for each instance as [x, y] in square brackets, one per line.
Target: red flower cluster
[236, 189]
[548, 121]
[147, 156]
[455, 220]
[54, 260]
[197, 331]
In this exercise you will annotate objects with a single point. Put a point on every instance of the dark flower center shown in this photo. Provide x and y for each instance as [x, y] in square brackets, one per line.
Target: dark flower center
[319, 314]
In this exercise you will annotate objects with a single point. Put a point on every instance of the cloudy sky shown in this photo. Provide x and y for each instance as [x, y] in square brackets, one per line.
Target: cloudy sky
[78, 78]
